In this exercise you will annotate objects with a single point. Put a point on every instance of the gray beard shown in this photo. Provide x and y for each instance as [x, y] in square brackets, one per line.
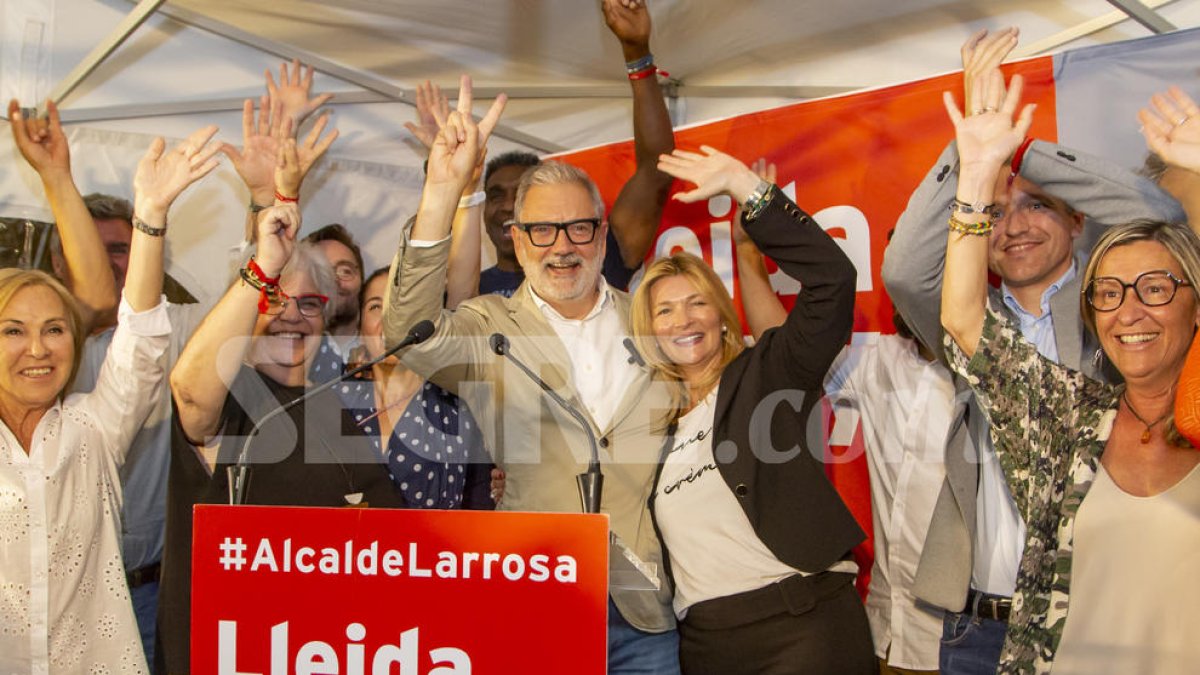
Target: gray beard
[589, 277]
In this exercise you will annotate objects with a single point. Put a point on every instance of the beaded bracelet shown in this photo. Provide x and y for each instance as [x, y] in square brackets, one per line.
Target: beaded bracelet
[639, 64]
[267, 287]
[981, 229]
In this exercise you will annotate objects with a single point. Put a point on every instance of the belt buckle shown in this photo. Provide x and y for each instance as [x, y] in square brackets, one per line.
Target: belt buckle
[993, 607]
[987, 606]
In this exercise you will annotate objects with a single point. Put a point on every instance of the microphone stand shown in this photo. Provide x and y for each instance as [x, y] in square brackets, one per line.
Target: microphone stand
[239, 472]
[591, 482]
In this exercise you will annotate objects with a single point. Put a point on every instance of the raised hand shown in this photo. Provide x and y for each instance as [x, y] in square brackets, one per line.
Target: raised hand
[1171, 127]
[261, 140]
[461, 142]
[982, 53]
[294, 92]
[161, 177]
[295, 159]
[432, 106]
[712, 171]
[42, 142]
[629, 20]
[989, 137]
[277, 228]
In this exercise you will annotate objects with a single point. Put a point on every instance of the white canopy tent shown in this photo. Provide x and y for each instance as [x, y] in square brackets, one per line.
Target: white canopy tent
[125, 70]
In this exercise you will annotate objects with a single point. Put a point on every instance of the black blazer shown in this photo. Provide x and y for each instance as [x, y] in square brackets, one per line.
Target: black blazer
[768, 437]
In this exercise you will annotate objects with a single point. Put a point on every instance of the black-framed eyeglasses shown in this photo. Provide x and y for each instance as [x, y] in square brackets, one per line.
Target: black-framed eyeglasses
[1153, 289]
[309, 304]
[579, 232]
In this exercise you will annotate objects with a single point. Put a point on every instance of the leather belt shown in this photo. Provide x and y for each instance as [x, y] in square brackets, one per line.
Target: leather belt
[988, 606]
[794, 595]
[143, 575]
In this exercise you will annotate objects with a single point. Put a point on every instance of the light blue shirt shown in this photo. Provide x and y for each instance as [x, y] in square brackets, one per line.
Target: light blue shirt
[1039, 330]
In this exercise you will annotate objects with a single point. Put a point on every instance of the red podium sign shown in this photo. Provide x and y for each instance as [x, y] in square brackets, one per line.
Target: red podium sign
[282, 590]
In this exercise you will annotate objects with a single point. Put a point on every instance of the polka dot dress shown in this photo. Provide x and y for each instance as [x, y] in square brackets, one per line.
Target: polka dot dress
[431, 444]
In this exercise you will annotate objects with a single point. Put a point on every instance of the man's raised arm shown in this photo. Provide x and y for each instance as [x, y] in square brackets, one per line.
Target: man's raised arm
[636, 214]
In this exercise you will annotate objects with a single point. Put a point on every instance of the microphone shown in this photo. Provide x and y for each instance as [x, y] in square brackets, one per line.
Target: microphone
[635, 357]
[239, 472]
[591, 482]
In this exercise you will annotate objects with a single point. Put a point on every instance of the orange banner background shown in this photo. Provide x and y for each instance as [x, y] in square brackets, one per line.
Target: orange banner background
[852, 162]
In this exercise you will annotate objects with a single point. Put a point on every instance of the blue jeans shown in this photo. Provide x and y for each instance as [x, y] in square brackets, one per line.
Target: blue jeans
[970, 645]
[635, 652]
[145, 607]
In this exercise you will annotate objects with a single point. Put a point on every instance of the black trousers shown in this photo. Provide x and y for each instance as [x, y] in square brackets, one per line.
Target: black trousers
[812, 625]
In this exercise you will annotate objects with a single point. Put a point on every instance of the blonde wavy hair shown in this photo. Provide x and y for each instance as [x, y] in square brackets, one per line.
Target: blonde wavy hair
[708, 284]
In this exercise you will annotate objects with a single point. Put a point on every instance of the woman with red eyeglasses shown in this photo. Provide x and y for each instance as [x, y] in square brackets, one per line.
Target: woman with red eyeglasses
[249, 356]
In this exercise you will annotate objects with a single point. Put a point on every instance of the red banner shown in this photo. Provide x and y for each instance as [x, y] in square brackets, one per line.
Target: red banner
[851, 162]
[281, 590]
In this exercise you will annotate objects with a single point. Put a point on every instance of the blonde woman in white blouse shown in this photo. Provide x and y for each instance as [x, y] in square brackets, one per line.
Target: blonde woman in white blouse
[64, 605]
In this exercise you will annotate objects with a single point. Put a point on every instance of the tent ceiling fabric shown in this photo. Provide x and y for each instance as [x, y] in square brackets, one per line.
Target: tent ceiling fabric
[555, 56]
[525, 42]
[538, 42]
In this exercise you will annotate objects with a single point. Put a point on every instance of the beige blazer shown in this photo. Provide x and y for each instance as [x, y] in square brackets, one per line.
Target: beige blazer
[539, 446]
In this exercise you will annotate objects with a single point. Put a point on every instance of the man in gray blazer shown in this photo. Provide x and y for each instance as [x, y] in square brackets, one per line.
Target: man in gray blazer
[570, 327]
[1050, 210]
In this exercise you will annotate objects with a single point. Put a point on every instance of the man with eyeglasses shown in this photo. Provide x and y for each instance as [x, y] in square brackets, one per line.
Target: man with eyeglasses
[341, 330]
[1050, 203]
[634, 219]
[570, 327]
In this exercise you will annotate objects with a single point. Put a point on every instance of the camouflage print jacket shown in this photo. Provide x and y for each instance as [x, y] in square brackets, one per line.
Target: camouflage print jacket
[1049, 425]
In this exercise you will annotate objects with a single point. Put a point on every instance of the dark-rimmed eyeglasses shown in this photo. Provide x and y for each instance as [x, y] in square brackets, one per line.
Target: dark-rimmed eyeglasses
[1154, 288]
[309, 304]
[579, 232]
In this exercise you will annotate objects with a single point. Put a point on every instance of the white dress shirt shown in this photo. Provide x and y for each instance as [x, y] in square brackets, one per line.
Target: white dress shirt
[144, 473]
[64, 604]
[904, 403]
[600, 364]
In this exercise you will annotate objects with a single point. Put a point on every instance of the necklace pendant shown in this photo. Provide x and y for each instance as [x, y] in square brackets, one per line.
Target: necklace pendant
[1146, 436]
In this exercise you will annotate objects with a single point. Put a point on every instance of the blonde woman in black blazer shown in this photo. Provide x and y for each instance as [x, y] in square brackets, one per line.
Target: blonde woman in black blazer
[758, 540]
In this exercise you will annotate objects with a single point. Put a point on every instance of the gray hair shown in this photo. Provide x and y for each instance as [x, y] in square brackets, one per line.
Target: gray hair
[558, 173]
[308, 259]
[109, 207]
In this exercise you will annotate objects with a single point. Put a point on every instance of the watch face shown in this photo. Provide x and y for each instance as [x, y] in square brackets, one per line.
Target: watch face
[977, 207]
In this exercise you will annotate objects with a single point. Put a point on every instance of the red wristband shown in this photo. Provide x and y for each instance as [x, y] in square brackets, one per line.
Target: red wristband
[648, 72]
[257, 271]
[287, 200]
[1018, 158]
[268, 293]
